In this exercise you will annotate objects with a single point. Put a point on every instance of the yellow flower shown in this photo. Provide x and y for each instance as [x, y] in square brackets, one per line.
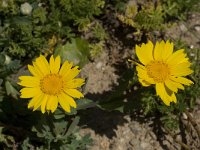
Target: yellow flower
[164, 68]
[50, 84]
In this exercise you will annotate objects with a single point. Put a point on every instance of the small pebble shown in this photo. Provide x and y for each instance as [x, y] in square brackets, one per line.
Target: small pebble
[99, 65]
[197, 27]
[185, 116]
[183, 28]
[144, 145]
[198, 101]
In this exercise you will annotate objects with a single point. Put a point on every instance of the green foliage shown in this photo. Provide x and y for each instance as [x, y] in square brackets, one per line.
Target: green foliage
[60, 133]
[20, 126]
[28, 29]
[27, 34]
[179, 9]
[154, 16]
[99, 38]
[149, 18]
[40, 131]
[74, 29]
[76, 51]
[96, 49]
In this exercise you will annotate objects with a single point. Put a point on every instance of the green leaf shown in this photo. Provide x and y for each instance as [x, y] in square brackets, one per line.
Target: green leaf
[73, 125]
[21, 21]
[1, 81]
[11, 90]
[116, 104]
[2, 59]
[58, 114]
[76, 51]
[85, 103]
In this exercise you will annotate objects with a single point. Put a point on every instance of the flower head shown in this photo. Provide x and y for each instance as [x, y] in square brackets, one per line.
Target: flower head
[164, 68]
[51, 84]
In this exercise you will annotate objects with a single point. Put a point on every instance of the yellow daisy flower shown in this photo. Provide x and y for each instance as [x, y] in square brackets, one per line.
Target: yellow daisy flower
[51, 84]
[164, 68]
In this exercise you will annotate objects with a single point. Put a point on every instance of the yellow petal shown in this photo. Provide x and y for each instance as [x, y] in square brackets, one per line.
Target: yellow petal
[29, 81]
[158, 50]
[68, 99]
[177, 57]
[49, 101]
[52, 103]
[64, 104]
[30, 92]
[34, 71]
[38, 69]
[65, 68]
[168, 50]
[73, 93]
[34, 100]
[71, 74]
[182, 71]
[54, 64]
[143, 82]
[42, 65]
[44, 104]
[182, 80]
[39, 102]
[171, 85]
[145, 52]
[173, 97]
[51, 64]
[161, 91]
[75, 83]
[183, 65]
[143, 75]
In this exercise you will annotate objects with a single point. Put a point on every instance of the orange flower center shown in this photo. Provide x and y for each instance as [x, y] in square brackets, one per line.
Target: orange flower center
[158, 70]
[52, 84]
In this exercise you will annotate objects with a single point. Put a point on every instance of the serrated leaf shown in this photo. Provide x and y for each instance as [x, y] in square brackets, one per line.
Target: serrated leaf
[13, 65]
[11, 90]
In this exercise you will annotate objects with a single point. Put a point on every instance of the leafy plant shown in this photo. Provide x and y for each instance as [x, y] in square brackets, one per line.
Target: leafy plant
[148, 18]
[179, 9]
[26, 34]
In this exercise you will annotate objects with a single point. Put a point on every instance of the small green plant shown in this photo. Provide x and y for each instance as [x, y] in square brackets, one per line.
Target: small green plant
[148, 18]
[179, 9]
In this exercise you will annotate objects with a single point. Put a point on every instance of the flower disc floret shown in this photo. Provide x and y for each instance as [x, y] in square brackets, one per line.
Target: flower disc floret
[158, 70]
[52, 84]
